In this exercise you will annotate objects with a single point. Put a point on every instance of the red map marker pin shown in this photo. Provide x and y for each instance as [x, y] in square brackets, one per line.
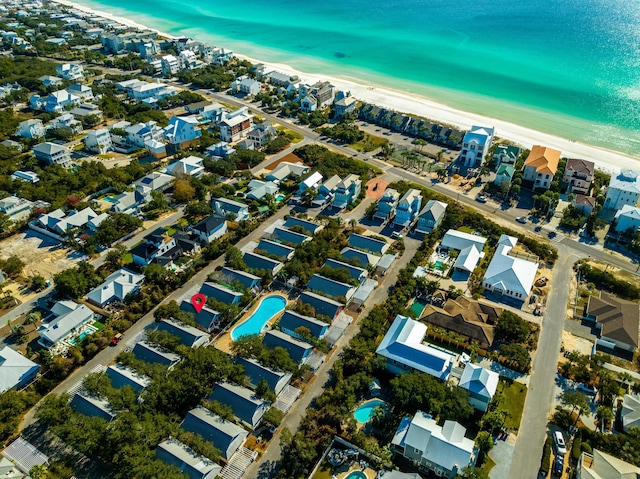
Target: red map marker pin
[198, 301]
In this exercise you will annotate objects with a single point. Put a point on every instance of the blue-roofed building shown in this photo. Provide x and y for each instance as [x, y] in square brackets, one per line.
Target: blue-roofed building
[207, 318]
[280, 251]
[150, 353]
[247, 280]
[359, 274]
[220, 293]
[290, 321]
[224, 206]
[321, 305]
[431, 216]
[287, 236]
[366, 243]
[363, 259]
[481, 384]
[277, 380]
[309, 226]
[347, 191]
[246, 405]
[191, 464]
[225, 435]
[297, 349]
[121, 376]
[92, 406]
[387, 205]
[256, 261]
[188, 335]
[404, 350]
[331, 288]
[408, 208]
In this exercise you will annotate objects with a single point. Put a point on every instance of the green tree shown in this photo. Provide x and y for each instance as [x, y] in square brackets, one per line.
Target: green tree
[577, 401]
[115, 227]
[76, 282]
[233, 258]
[37, 282]
[12, 266]
[511, 327]
[183, 192]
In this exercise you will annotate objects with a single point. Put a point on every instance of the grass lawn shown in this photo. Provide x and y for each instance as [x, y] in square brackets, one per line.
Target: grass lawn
[98, 325]
[368, 143]
[466, 229]
[323, 472]
[171, 230]
[292, 135]
[514, 395]
[487, 466]
[127, 259]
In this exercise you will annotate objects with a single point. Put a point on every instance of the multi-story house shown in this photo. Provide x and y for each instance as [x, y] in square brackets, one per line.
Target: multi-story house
[408, 208]
[387, 205]
[347, 191]
[33, 128]
[317, 96]
[170, 65]
[623, 189]
[98, 141]
[70, 71]
[475, 145]
[246, 85]
[578, 175]
[51, 153]
[182, 131]
[236, 125]
[540, 166]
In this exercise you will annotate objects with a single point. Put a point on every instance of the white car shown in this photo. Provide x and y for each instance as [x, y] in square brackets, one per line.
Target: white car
[558, 440]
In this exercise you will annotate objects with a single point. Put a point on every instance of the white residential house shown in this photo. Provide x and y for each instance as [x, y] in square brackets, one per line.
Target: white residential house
[246, 85]
[509, 275]
[140, 133]
[170, 65]
[189, 166]
[50, 80]
[154, 181]
[182, 131]
[51, 153]
[68, 122]
[85, 110]
[600, 465]
[70, 71]
[224, 206]
[211, 228]
[83, 92]
[55, 102]
[627, 218]
[235, 125]
[98, 141]
[213, 113]
[16, 372]
[317, 96]
[116, 287]
[15, 208]
[481, 383]
[443, 450]
[69, 322]
[408, 208]
[33, 128]
[475, 145]
[314, 180]
[189, 60]
[25, 175]
[623, 189]
[630, 412]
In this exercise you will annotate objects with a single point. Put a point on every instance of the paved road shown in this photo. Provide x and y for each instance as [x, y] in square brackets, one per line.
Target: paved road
[269, 463]
[108, 355]
[537, 406]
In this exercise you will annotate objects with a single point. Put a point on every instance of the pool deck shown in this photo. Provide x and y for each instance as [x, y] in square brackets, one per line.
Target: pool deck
[224, 342]
[355, 466]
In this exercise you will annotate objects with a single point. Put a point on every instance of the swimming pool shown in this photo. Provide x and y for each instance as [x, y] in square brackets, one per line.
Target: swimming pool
[254, 324]
[109, 199]
[364, 412]
[418, 307]
[279, 198]
[80, 337]
[440, 265]
[356, 475]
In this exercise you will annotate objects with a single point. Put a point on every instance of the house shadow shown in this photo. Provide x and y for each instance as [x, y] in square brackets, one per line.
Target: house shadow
[459, 275]
[501, 298]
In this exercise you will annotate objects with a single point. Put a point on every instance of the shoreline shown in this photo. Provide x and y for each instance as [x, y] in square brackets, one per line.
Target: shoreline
[413, 104]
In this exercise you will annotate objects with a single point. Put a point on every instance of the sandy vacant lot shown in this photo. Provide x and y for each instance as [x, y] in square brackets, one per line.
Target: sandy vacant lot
[42, 255]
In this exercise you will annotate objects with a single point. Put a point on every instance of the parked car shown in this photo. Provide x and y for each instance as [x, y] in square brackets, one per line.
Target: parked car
[521, 219]
[558, 466]
[116, 339]
[558, 440]
[585, 388]
[481, 199]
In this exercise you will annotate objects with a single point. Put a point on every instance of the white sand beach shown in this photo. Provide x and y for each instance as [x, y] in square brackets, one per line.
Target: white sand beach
[606, 160]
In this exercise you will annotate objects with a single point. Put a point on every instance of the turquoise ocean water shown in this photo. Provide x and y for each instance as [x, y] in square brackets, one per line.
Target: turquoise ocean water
[566, 67]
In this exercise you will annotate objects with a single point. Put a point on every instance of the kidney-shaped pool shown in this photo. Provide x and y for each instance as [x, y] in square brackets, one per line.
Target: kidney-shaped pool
[254, 324]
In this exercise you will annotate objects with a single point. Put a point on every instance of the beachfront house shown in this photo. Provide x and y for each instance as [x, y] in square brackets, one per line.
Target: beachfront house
[508, 275]
[387, 205]
[404, 350]
[578, 175]
[186, 460]
[506, 155]
[475, 145]
[623, 189]
[347, 192]
[225, 435]
[67, 327]
[188, 335]
[297, 349]
[616, 321]
[301, 326]
[223, 207]
[481, 383]
[244, 403]
[211, 228]
[16, 371]
[431, 216]
[443, 450]
[116, 287]
[316, 97]
[322, 305]
[540, 166]
[151, 353]
[408, 208]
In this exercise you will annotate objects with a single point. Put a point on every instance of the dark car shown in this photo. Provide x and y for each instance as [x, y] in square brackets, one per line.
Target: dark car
[558, 466]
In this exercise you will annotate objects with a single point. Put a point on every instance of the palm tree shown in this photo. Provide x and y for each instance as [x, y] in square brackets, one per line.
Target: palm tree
[353, 223]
